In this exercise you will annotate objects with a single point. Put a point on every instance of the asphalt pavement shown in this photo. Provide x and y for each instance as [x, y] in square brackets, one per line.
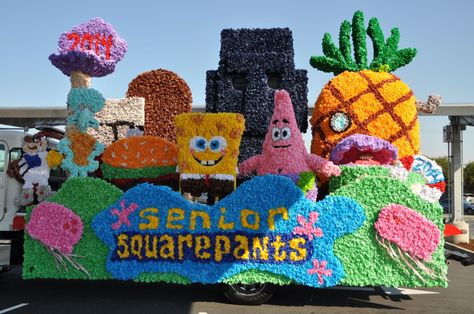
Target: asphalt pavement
[76, 296]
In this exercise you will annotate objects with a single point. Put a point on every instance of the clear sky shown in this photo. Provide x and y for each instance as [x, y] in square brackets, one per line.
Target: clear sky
[184, 37]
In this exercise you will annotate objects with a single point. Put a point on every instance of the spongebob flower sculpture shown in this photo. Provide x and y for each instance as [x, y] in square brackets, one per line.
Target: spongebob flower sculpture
[208, 148]
[283, 149]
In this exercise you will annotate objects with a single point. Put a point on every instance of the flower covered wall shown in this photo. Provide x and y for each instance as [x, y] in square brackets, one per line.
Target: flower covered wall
[253, 64]
[166, 95]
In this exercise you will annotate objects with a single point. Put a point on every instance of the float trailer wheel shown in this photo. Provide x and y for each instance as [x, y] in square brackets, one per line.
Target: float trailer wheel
[252, 294]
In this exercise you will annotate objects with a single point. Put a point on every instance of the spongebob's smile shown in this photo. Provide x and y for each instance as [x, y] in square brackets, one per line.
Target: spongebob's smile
[208, 163]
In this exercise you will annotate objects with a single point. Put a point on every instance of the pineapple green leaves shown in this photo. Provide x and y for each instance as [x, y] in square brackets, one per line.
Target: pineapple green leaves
[387, 57]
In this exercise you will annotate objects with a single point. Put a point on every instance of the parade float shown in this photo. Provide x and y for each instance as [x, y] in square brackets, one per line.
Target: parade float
[231, 196]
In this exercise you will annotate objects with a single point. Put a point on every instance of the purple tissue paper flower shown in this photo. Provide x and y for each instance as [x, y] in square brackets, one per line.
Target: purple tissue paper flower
[93, 48]
[355, 148]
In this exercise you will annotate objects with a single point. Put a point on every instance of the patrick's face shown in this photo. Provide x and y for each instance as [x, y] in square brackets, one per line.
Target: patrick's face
[281, 135]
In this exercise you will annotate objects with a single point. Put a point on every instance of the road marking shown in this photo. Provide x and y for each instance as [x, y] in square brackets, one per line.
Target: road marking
[403, 291]
[13, 308]
[352, 288]
[386, 290]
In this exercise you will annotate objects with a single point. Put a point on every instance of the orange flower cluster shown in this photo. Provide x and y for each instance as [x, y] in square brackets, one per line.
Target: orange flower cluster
[166, 95]
[374, 103]
[141, 151]
[82, 145]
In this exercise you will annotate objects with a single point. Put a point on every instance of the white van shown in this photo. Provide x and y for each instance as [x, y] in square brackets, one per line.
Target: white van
[12, 217]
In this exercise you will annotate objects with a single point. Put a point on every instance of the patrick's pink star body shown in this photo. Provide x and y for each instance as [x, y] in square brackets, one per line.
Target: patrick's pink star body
[283, 148]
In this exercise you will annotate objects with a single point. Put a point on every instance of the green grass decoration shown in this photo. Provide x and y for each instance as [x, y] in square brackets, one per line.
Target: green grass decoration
[306, 181]
[86, 197]
[365, 261]
[387, 56]
[110, 172]
[351, 174]
[165, 277]
[253, 276]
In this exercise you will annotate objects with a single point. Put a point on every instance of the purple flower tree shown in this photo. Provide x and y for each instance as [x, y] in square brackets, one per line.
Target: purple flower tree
[93, 48]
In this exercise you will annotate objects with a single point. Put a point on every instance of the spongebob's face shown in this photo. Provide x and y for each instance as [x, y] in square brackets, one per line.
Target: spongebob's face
[209, 143]
[208, 152]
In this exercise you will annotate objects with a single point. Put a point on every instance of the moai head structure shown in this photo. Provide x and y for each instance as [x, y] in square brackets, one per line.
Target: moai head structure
[254, 63]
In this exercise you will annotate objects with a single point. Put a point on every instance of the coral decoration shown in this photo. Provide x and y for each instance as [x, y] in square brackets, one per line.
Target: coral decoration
[364, 98]
[59, 229]
[123, 214]
[117, 117]
[84, 103]
[319, 268]
[140, 152]
[80, 150]
[363, 149]
[412, 234]
[253, 64]
[307, 227]
[208, 147]
[166, 96]
[93, 48]
[283, 149]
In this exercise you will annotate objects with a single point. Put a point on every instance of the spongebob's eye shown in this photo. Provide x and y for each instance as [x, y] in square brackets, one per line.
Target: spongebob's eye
[285, 133]
[198, 144]
[276, 134]
[340, 122]
[217, 143]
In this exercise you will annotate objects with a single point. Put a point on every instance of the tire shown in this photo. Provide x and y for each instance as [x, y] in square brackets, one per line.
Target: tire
[254, 294]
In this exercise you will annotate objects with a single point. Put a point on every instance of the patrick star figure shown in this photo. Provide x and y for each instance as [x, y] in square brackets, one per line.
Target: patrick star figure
[283, 148]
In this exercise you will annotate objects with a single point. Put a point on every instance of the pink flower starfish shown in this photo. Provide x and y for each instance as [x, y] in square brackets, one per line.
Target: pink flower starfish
[307, 227]
[283, 148]
[319, 268]
[123, 214]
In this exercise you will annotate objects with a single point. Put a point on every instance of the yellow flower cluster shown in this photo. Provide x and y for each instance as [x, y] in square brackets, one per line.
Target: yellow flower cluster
[54, 158]
[208, 247]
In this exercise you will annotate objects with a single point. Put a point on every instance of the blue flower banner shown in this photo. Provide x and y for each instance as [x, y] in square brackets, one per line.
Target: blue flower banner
[265, 225]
